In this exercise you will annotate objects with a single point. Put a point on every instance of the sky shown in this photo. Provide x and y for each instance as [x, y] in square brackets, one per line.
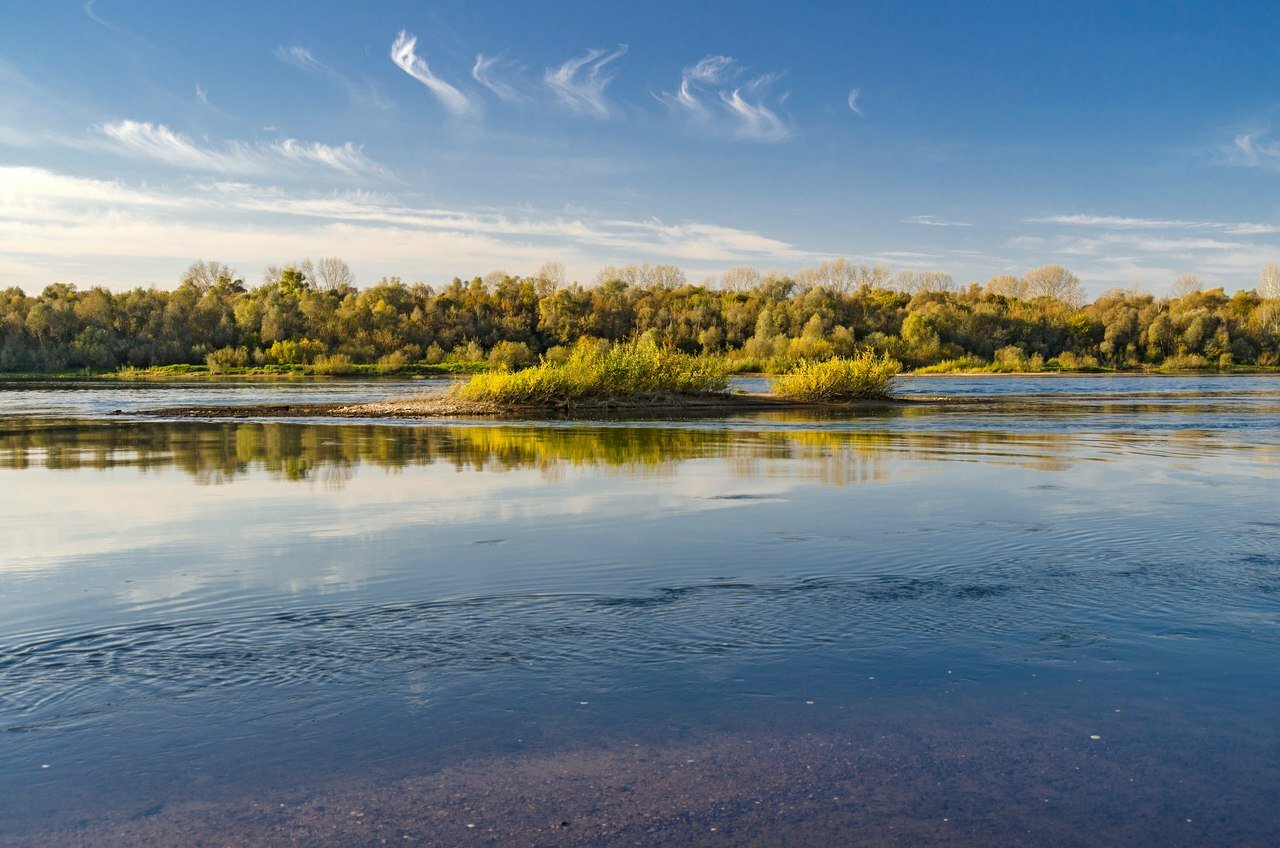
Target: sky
[1131, 142]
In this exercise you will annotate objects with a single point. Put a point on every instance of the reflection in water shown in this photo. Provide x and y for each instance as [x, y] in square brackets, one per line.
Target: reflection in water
[220, 452]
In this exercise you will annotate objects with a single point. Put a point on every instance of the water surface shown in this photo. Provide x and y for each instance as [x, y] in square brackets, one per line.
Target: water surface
[1048, 613]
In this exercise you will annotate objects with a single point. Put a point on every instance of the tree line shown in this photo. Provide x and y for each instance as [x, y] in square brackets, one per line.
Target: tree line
[312, 313]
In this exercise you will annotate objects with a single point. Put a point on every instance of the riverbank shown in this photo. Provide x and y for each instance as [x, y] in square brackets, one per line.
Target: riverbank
[163, 373]
[186, 373]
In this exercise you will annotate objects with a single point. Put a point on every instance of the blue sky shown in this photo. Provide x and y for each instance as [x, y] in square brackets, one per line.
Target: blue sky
[1130, 142]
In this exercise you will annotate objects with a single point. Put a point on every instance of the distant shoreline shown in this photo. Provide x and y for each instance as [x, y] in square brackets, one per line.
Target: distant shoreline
[198, 374]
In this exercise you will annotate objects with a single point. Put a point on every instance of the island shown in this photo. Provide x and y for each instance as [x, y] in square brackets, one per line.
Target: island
[597, 377]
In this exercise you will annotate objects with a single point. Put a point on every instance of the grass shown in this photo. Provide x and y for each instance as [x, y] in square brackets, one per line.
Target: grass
[963, 365]
[860, 377]
[595, 371]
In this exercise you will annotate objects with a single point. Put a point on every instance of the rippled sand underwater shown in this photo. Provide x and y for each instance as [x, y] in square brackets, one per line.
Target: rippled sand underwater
[1048, 613]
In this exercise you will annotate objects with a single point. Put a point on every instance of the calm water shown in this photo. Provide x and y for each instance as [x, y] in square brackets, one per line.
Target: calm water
[1047, 613]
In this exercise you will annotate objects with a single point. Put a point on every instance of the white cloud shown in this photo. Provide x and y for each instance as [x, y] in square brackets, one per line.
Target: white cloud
[100, 21]
[25, 190]
[158, 143]
[402, 53]
[66, 225]
[305, 60]
[484, 73]
[933, 221]
[708, 72]
[1114, 250]
[1120, 222]
[706, 91]
[757, 121]
[1254, 150]
[300, 57]
[853, 101]
[345, 157]
[579, 83]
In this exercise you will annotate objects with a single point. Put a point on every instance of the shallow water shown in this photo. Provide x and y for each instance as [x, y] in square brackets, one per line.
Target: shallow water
[903, 625]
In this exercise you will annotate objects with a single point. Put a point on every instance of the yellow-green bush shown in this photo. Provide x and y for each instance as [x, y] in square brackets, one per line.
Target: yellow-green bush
[227, 358]
[596, 371]
[962, 365]
[864, 375]
[333, 363]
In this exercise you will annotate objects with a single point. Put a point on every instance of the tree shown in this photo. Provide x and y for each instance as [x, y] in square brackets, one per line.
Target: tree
[1006, 285]
[739, 279]
[204, 274]
[1186, 284]
[840, 276]
[1269, 280]
[331, 273]
[551, 276]
[1054, 282]
[914, 282]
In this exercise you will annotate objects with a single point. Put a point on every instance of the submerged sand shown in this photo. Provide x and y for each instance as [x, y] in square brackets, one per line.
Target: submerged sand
[997, 781]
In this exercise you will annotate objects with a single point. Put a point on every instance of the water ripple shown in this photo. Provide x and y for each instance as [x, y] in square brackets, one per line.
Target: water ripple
[1035, 613]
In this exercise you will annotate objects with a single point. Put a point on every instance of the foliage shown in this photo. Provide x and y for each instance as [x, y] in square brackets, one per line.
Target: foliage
[510, 356]
[304, 313]
[333, 363]
[963, 365]
[864, 375]
[598, 371]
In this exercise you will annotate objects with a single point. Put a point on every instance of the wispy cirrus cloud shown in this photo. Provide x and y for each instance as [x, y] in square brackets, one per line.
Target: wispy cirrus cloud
[403, 53]
[934, 221]
[707, 72]
[485, 71]
[304, 60]
[756, 120]
[1121, 222]
[854, 94]
[158, 143]
[1253, 150]
[579, 83]
[1124, 250]
[709, 89]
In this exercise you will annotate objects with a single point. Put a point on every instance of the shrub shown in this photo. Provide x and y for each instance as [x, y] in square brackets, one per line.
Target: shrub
[1011, 359]
[469, 352]
[1070, 361]
[557, 355]
[334, 363]
[227, 358]
[808, 348]
[863, 375]
[295, 353]
[962, 365]
[1186, 362]
[595, 371]
[510, 356]
[392, 362]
